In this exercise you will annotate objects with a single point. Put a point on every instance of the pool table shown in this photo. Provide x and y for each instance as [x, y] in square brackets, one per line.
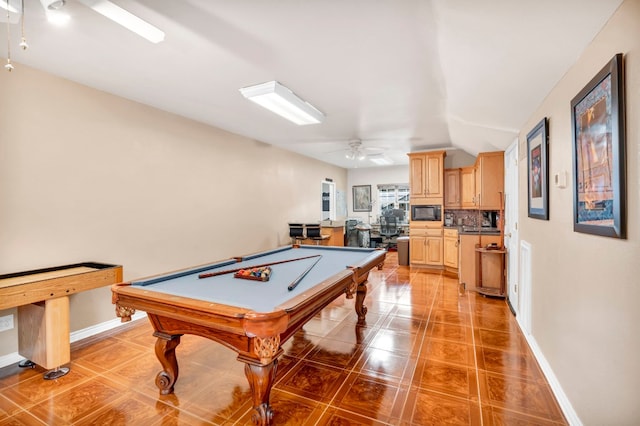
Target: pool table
[253, 318]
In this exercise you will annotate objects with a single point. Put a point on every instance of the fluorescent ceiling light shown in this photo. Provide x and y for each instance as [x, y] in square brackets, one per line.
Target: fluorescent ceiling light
[3, 4]
[126, 19]
[279, 99]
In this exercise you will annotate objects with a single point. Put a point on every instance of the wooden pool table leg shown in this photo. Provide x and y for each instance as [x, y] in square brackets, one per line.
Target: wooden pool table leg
[361, 293]
[166, 353]
[261, 378]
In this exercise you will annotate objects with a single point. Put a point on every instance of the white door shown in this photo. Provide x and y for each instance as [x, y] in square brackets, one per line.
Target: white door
[511, 240]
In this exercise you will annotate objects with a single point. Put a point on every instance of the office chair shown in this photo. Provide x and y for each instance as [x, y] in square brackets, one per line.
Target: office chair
[389, 229]
[313, 232]
[296, 232]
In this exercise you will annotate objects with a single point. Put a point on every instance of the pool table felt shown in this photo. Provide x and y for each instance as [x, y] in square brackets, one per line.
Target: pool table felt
[259, 296]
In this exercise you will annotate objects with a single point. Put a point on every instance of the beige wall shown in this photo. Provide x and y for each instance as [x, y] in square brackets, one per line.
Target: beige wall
[87, 176]
[586, 289]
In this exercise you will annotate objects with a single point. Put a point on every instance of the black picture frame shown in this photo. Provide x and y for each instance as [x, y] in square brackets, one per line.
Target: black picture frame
[599, 160]
[361, 198]
[538, 171]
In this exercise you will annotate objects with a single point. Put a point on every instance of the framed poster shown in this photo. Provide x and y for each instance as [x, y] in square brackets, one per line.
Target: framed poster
[362, 198]
[538, 171]
[599, 165]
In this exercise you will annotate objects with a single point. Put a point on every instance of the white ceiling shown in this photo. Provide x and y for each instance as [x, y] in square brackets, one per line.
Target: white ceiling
[401, 75]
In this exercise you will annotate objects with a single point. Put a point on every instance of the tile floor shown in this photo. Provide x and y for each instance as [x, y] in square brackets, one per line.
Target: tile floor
[427, 355]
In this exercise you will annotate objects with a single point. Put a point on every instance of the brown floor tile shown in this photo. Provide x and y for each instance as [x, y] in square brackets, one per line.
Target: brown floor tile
[398, 342]
[77, 402]
[337, 417]
[448, 351]
[314, 381]
[456, 380]
[35, 390]
[381, 363]
[508, 363]
[290, 409]
[518, 395]
[428, 408]
[7, 408]
[335, 353]
[367, 396]
[501, 340]
[452, 332]
[22, 418]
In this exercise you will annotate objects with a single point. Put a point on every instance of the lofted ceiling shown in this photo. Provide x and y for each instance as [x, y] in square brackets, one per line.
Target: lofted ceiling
[398, 75]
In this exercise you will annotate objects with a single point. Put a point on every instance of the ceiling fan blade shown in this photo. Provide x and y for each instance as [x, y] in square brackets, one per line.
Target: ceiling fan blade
[126, 19]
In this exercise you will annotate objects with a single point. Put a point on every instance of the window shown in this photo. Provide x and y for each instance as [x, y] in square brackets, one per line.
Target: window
[394, 197]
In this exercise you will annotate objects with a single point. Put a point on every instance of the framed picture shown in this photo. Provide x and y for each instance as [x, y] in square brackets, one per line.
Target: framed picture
[538, 171]
[599, 165]
[362, 198]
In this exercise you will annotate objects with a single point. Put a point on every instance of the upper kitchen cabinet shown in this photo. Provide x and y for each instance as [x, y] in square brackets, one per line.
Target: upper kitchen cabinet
[490, 180]
[468, 193]
[452, 188]
[426, 175]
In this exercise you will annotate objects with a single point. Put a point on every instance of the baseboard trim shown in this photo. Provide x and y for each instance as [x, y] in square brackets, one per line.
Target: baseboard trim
[556, 388]
[75, 336]
[102, 327]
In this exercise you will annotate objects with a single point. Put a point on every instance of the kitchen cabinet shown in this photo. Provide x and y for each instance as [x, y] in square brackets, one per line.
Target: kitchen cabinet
[426, 247]
[467, 256]
[468, 187]
[490, 180]
[452, 189]
[426, 176]
[450, 248]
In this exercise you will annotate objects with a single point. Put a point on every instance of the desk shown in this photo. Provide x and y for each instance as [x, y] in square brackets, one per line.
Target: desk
[42, 298]
[253, 318]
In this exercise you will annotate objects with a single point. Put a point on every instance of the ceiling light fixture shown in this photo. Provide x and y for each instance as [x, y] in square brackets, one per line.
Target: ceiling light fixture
[54, 11]
[281, 100]
[125, 18]
[6, 5]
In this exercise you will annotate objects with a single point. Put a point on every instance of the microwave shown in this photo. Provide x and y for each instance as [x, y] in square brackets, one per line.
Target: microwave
[429, 212]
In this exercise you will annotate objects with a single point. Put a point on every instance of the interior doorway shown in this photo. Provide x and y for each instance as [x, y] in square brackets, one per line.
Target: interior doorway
[511, 238]
[328, 201]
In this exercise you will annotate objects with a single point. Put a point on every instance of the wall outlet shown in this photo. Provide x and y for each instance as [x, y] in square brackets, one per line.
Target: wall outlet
[6, 322]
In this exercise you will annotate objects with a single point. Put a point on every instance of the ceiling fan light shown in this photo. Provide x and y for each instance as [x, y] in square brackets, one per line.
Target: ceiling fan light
[56, 4]
[57, 17]
[282, 101]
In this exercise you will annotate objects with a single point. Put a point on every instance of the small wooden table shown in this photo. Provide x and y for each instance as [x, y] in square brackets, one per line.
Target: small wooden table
[42, 298]
[490, 271]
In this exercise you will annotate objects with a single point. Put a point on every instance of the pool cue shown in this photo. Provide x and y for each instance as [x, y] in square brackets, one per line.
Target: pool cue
[297, 280]
[230, 271]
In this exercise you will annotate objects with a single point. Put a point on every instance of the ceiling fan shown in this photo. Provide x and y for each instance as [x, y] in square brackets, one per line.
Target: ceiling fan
[55, 13]
[357, 151]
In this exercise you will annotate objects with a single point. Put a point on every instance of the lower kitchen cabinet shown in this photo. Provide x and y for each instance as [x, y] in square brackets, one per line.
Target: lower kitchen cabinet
[426, 247]
[451, 248]
[467, 256]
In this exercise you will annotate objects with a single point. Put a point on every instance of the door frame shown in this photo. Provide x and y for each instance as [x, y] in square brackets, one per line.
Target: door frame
[511, 237]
